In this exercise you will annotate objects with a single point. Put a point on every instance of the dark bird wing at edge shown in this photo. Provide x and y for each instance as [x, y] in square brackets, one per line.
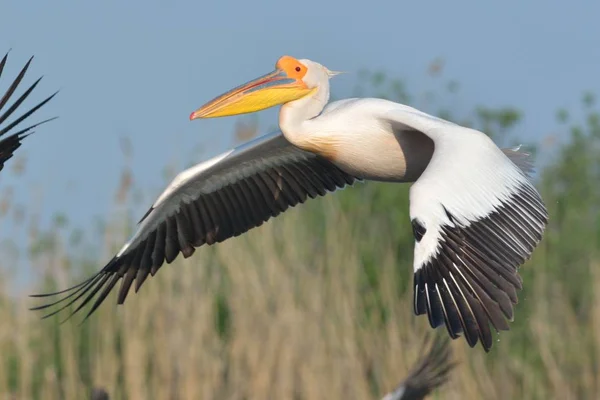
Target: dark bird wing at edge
[9, 144]
[206, 204]
[430, 373]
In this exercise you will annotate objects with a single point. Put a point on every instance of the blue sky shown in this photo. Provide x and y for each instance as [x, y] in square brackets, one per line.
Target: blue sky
[138, 68]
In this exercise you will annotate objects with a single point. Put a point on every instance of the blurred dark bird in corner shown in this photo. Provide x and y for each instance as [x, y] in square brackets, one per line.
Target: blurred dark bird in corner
[99, 394]
[10, 138]
[430, 373]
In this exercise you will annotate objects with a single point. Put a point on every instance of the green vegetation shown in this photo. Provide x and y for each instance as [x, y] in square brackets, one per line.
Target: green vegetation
[317, 304]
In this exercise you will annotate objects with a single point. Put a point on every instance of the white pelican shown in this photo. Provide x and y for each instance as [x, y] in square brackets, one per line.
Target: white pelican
[9, 144]
[430, 373]
[475, 215]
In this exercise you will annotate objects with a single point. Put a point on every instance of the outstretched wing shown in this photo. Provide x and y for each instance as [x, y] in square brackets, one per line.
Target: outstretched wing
[9, 144]
[430, 373]
[209, 203]
[476, 218]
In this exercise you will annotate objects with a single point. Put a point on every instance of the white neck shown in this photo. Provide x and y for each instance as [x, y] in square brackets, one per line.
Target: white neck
[296, 115]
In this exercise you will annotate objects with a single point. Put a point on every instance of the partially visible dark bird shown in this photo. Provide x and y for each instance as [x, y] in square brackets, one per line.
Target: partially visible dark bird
[430, 373]
[11, 134]
[99, 394]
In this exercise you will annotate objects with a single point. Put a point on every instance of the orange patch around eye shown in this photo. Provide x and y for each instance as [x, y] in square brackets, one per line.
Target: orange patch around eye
[292, 67]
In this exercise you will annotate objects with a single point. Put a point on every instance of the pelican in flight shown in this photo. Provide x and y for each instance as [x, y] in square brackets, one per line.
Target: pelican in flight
[475, 215]
[9, 144]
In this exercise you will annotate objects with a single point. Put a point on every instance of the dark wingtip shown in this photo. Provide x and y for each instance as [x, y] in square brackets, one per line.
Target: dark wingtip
[471, 284]
[3, 62]
[61, 291]
[430, 372]
[16, 105]
[82, 294]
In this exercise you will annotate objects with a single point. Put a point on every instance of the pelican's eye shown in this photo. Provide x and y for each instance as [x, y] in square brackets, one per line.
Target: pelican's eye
[292, 67]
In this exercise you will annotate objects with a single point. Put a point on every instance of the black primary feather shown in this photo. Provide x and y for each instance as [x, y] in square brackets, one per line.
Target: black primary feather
[472, 281]
[243, 202]
[11, 138]
[431, 371]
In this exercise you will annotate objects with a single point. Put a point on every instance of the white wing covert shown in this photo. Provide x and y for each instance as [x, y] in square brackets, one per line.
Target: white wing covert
[476, 218]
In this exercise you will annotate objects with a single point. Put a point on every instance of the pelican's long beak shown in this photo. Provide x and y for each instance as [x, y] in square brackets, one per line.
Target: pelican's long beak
[267, 91]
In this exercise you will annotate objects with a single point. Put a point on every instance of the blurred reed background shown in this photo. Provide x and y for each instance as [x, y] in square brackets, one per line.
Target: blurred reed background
[316, 304]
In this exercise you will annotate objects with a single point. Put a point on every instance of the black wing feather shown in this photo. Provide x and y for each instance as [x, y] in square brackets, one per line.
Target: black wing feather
[9, 144]
[430, 373]
[240, 204]
[473, 279]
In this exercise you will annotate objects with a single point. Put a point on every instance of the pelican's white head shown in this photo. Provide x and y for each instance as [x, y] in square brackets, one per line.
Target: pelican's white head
[291, 80]
[316, 75]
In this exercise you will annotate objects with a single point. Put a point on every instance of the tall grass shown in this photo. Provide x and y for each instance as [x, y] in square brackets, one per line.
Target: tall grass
[283, 313]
